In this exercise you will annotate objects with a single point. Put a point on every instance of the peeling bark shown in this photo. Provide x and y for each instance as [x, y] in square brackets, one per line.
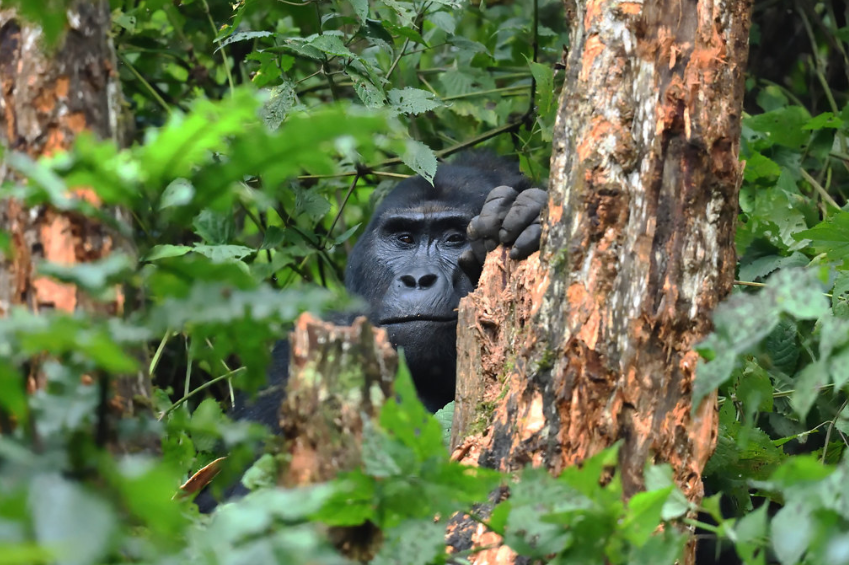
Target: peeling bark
[48, 98]
[592, 342]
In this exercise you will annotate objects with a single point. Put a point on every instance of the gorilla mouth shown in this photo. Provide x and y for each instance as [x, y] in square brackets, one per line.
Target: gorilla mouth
[408, 319]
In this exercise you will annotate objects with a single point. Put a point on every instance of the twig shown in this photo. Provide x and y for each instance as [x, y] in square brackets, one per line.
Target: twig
[223, 52]
[147, 85]
[822, 192]
[204, 386]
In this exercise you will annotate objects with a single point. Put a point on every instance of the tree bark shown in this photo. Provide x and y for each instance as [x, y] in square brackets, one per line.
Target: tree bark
[339, 378]
[592, 342]
[47, 98]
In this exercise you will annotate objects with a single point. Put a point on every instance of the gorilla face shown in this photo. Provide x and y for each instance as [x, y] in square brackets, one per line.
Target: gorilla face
[414, 288]
[416, 250]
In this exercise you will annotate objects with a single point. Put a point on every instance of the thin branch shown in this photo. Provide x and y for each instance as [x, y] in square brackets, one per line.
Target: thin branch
[147, 85]
[342, 207]
[822, 192]
[230, 81]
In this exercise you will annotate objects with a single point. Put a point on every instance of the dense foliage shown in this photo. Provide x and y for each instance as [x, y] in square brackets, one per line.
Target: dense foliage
[265, 131]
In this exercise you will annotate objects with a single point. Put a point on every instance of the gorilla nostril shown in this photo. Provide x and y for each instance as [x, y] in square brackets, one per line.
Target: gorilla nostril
[427, 281]
[408, 281]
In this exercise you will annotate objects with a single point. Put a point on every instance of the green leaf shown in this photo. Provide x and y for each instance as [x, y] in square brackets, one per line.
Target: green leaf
[712, 375]
[783, 126]
[346, 235]
[405, 10]
[351, 502]
[643, 517]
[444, 21]
[57, 506]
[370, 94]
[824, 120]
[760, 167]
[751, 532]
[412, 101]
[262, 474]
[360, 9]
[165, 251]
[754, 390]
[763, 266]
[125, 21]
[799, 293]
[331, 45]
[178, 193]
[409, 421]
[214, 228]
[783, 347]
[311, 204]
[421, 159]
[242, 36]
[445, 417]
[830, 237]
[14, 397]
[405, 31]
[281, 101]
[771, 98]
[792, 531]
[274, 237]
[544, 76]
[840, 296]
[662, 549]
[808, 384]
[147, 488]
[221, 253]
[413, 542]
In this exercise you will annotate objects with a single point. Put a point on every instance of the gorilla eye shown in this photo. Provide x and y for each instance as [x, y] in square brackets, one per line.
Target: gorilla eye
[456, 238]
[405, 238]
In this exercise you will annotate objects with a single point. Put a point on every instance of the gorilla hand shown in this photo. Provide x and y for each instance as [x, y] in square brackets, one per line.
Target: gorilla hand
[507, 217]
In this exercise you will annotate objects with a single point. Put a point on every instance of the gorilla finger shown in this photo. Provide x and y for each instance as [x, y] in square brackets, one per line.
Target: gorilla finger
[501, 192]
[494, 210]
[527, 242]
[524, 212]
[479, 250]
[537, 195]
[472, 230]
[470, 265]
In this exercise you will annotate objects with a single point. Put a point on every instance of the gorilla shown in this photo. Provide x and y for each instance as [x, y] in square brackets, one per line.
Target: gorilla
[422, 251]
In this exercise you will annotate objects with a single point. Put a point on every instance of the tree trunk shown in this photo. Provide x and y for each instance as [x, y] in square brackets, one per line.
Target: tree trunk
[592, 342]
[47, 98]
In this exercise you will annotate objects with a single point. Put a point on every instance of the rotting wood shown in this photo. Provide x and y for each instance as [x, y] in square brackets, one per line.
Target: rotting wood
[339, 377]
[638, 248]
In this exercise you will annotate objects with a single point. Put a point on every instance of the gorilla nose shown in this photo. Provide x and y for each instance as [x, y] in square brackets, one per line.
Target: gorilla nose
[418, 280]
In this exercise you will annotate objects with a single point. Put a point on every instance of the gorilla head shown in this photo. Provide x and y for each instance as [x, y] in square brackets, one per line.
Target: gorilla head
[406, 265]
